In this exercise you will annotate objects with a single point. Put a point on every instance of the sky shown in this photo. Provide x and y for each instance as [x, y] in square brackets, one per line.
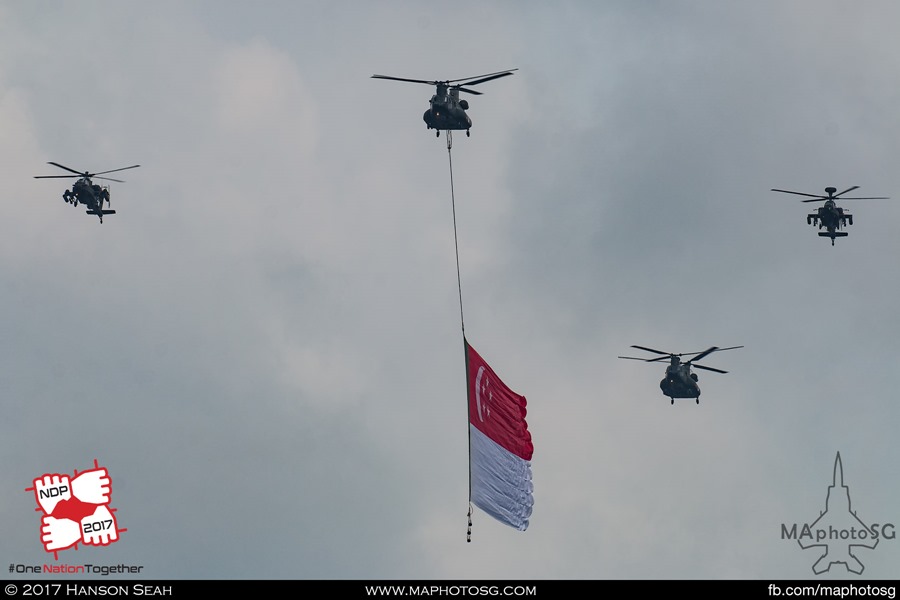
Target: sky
[264, 348]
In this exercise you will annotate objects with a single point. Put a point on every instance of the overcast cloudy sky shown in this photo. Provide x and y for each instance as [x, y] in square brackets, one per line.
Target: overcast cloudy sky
[263, 346]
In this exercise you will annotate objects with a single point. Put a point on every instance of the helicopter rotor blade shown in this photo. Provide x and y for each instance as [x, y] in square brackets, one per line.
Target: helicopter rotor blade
[114, 170]
[652, 350]
[80, 173]
[708, 368]
[468, 91]
[56, 176]
[867, 198]
[110, 179]
[403, 79]
[482, 78]
[711, 350]
[660, 358]
[845, 191]
[706, 352]
[646, 359]
[729, 348]
[819, 197]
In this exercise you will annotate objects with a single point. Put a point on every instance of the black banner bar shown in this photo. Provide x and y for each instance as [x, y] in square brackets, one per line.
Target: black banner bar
[374, 588]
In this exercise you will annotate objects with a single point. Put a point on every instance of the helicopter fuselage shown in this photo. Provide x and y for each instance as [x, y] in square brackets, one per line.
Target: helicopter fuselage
[830, 217]
[446, 114]
[91, 195]
[680, 382]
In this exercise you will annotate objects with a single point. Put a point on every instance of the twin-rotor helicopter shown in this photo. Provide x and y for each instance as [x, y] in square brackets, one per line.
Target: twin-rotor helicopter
[679, 381]
[84, 191]
[446, 111]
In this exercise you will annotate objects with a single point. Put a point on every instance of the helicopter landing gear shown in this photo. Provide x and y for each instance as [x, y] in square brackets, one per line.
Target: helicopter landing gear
[697, 400]
[437, 133]
[673, 400]
[468, 134]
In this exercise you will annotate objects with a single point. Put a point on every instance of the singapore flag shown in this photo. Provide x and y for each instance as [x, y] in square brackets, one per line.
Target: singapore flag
[500, 446]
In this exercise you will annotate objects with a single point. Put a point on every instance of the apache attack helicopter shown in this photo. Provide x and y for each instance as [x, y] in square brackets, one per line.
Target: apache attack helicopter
[830, 216]
[85, 191]
[679, 381]
[447, 111]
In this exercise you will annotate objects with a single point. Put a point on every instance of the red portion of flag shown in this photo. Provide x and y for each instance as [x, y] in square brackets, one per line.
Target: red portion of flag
[494, 409]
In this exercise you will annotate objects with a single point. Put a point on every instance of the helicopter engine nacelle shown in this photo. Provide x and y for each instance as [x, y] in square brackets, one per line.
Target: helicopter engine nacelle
[464, 104]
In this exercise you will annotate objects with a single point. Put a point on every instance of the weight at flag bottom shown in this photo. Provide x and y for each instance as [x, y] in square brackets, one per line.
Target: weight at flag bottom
[500, 446]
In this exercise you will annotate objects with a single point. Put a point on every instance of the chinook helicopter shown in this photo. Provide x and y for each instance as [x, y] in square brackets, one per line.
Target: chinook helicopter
[447, 111]
[679, 381]
[85, 191]
[830, 216]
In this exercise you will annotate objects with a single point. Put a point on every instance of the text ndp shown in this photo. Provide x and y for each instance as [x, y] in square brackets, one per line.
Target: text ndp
[53, 492]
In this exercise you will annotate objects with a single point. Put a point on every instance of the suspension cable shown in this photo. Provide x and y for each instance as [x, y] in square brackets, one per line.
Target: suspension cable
[462, 324]
[455, 237]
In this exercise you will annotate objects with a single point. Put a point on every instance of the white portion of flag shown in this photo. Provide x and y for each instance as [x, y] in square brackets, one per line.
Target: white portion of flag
[501, 481]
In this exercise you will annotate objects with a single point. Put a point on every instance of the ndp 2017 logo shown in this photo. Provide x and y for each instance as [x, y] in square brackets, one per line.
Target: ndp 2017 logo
[75, 509]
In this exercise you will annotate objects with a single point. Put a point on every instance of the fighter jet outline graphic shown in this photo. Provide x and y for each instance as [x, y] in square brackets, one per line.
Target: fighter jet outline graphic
[840, 518]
